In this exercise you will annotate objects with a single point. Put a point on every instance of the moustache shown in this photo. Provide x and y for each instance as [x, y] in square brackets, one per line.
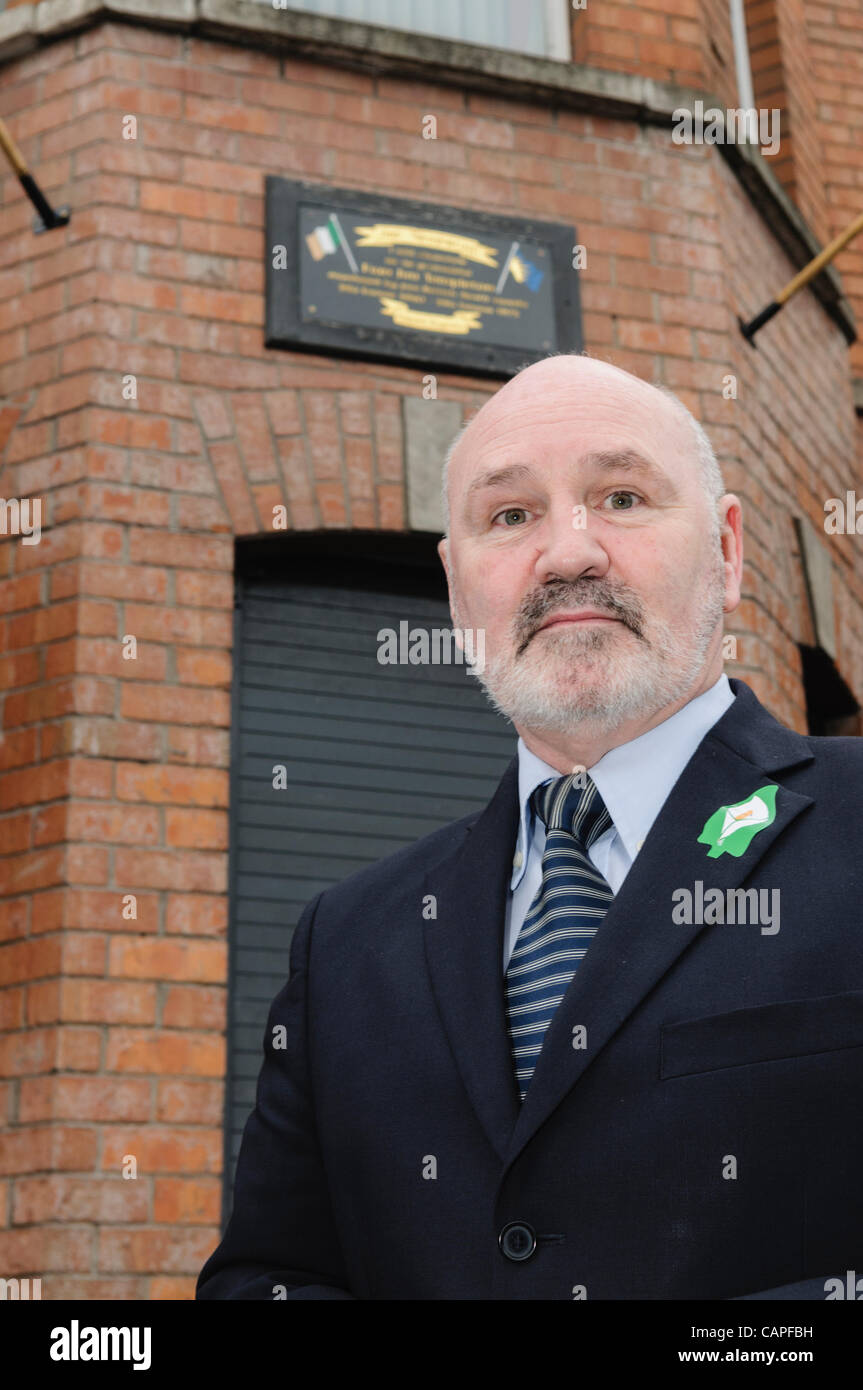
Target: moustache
[558, 595]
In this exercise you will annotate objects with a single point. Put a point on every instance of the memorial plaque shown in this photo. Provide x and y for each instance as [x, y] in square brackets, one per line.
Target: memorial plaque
[386, 278]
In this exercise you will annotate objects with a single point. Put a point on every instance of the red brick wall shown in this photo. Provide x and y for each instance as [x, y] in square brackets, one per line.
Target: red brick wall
[835, 41]
[720, 72]
[113, 773]
[793, 445]
[663, 39]
[683, 41]
[782, 77]
[806, 59]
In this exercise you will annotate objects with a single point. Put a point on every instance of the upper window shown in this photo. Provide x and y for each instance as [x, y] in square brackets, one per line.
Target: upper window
[540, 27]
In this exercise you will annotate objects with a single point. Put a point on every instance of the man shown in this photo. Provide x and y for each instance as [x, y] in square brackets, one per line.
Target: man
[603, 1039]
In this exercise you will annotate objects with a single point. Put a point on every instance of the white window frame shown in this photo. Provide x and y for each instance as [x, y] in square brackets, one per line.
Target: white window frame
[556, 18]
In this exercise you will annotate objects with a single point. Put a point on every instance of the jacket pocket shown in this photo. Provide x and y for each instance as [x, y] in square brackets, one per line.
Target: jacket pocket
[796, 1028]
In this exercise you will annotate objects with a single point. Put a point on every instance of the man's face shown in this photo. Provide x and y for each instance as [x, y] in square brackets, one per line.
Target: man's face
[576, 492]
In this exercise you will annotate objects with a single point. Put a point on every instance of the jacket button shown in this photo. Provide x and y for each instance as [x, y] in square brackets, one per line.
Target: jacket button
[517, 1240]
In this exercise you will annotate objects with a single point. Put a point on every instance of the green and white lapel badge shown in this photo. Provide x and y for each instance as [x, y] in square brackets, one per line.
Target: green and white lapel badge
[730, 829]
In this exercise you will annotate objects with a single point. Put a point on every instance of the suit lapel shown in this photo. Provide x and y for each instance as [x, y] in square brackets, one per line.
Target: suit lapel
[464, 951]
[638, 942]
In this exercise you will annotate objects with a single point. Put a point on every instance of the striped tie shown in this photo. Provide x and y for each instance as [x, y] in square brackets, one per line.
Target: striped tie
[570, 903]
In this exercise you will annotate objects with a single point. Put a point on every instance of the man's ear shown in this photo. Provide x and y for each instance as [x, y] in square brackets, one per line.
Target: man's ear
[731, 536]
[443, 552]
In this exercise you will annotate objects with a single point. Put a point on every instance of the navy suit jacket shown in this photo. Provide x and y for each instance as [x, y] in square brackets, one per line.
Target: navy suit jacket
[706, 1143]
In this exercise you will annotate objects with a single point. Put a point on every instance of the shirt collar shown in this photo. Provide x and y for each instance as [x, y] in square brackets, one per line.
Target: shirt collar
[633, 779]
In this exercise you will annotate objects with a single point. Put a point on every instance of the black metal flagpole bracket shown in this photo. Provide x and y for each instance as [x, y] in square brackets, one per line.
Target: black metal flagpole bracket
[47, 218]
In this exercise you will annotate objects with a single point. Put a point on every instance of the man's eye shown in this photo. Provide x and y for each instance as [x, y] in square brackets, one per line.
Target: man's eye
[512, 516]
[613, 497]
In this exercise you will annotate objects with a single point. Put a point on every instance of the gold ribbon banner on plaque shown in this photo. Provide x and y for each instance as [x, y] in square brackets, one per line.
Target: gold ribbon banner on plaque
[403, 316]
[429, 238]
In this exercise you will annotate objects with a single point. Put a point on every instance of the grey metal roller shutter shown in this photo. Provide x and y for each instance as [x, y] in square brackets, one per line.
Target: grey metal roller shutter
[376, 756]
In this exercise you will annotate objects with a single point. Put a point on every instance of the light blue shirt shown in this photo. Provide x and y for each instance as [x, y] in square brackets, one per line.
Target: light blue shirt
[633, 779]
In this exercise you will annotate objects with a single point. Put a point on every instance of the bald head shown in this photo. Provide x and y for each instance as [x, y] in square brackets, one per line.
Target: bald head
[591, 543]
[564, 389]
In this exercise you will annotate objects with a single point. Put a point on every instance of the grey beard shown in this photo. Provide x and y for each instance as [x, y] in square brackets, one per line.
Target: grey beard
[646, 673]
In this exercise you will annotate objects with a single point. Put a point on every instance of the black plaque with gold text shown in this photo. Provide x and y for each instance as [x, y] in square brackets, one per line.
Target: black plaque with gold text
[386, 278]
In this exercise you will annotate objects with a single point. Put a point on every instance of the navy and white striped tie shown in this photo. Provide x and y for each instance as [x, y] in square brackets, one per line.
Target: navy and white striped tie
[570, 903]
